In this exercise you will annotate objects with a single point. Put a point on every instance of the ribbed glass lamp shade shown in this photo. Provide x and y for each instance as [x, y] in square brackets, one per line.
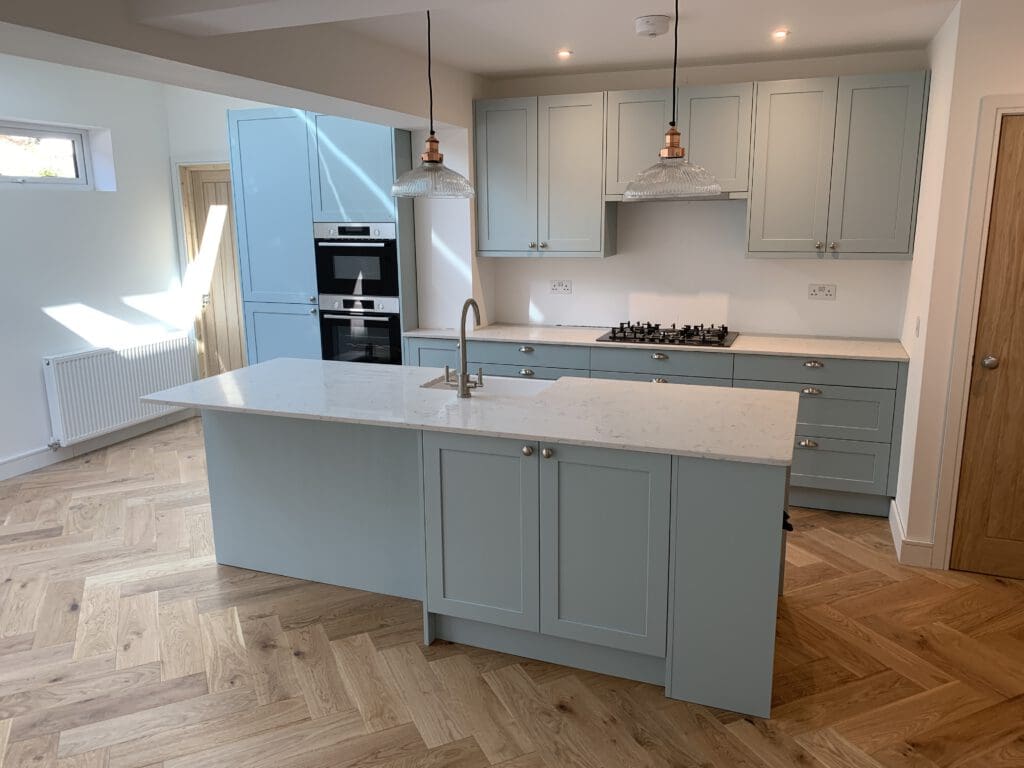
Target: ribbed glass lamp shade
[672, 178]
[432, 179]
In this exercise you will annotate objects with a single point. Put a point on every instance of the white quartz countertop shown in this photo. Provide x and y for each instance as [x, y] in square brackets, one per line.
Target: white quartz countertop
[746, 343]
[755, 426]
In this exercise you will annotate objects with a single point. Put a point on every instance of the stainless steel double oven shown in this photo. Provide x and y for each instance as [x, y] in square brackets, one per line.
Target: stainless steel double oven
[357, 277]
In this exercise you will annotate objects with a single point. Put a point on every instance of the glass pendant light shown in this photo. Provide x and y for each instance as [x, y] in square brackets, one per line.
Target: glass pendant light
[673, 177]
[431, 178]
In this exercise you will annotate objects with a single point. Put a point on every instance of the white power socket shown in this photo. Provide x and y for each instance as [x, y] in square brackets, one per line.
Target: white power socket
[561, 286]
[821, 291]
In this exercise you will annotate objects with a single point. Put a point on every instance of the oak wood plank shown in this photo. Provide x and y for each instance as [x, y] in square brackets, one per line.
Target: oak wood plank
[138, 631]
[369, 682]
[181, 642]
[224, 655]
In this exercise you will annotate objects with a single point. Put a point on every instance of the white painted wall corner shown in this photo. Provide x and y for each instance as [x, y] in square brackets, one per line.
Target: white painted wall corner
[908, 551]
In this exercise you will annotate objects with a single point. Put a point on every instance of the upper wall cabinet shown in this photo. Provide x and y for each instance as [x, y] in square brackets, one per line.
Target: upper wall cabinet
[273, 213]
[715, 123]
[506, 175]
[876, 163]
[636, 125]
[352, 167]
[792, 168]
[836, 166]
[540, 171]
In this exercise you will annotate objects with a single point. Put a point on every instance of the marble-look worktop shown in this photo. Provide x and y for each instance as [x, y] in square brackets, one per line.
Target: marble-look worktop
[755, 426]
[746, 343]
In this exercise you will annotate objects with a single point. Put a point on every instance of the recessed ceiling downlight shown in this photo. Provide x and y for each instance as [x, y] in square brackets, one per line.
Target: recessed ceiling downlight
[779, 35]
[564, 54]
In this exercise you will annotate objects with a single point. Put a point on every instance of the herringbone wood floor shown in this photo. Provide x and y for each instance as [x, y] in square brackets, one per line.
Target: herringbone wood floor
[123, 644]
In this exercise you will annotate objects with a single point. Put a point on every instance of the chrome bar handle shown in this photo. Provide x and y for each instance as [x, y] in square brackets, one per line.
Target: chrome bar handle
[659, 380]
[526, 350]
[813, 364]
[659, 356]
[810, 391]
[526, 372]
[808, 444]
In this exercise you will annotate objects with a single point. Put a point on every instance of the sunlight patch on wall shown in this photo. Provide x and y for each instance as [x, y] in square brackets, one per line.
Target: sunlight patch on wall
[103, 330]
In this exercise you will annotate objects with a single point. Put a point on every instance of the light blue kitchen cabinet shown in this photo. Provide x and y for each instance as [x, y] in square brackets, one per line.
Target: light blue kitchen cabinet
[527, 354]
[281, 330]
[635, 131]
[792, 167]
[604, 551]
[715, 121]
[876, 166]
[840, 465]
[665, 361]
[351, 168]
[506, 176]
[481, 514]
[273, 211]
[431, 353]
[570, 148]
[702, 381]
[527, 371]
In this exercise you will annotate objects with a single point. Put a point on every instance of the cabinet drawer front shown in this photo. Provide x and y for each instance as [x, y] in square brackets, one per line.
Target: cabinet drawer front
[852, 413]
[654, 379]
[528, 354]
[604, 547]
[840, 465]
[662, 361]
[527, 371]
[817, 370]
[481, 515]
[432, 353]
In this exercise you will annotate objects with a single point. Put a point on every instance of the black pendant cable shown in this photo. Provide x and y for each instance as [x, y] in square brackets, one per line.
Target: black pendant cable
[675, 61]
[430, 75]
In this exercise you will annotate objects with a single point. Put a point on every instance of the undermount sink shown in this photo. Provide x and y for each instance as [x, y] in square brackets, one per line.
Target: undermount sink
[495, 386]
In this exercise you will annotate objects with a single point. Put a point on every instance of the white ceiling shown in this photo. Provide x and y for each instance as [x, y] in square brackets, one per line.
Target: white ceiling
[518, 37]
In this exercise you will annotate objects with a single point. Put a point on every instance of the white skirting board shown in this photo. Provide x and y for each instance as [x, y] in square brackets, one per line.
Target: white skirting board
[908, 551]
[45, 457]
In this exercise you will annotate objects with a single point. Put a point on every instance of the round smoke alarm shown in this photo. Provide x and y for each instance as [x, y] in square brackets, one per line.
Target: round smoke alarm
[651, 26]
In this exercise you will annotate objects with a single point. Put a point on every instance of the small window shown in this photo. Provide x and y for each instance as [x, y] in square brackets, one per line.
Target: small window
[37, 154]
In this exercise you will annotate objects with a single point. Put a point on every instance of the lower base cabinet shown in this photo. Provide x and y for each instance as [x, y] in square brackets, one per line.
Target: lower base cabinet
[565, 540]
[281, 330]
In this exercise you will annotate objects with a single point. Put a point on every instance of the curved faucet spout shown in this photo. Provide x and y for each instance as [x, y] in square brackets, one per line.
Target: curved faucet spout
[464, 389]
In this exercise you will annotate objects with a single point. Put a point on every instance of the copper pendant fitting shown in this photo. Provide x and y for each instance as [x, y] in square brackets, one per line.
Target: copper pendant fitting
[673, 144]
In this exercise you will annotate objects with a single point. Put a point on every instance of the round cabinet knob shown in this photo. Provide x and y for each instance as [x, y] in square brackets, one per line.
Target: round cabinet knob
[808, 444]
[543, 245]
[526, 372]
[312, 311]
[547, 453]
[659, 380]
[833, 246]
[527, 450]
[990, 361]
[312, 299]
[819, 245]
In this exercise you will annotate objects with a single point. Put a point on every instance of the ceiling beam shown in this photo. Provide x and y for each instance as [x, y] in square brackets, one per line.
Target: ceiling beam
[221, 17]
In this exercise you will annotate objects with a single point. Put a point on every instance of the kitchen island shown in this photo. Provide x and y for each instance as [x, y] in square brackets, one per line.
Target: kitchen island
[586, 522]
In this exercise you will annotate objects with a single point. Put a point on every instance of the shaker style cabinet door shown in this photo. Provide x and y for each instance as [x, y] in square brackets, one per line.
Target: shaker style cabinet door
[604, 547]
[273, 212]
[481, 526]
[281, 330]
[570, 156]
[352, 167]
[506, 175]
[715, 121]
[875, 171]
[635, 132]
[792, 169]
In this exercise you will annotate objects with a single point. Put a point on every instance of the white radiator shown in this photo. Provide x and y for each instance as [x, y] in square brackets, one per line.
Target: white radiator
[95, 392]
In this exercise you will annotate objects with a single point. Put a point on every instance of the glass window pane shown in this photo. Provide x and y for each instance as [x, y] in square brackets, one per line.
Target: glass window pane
[37, 157]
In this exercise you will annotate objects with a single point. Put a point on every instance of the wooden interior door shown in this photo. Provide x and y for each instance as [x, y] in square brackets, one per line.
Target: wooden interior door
[212, 251]
[989, 532]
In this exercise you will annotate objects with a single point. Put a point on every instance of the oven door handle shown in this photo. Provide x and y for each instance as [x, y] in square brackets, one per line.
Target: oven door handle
[338, 244]
[357, 317]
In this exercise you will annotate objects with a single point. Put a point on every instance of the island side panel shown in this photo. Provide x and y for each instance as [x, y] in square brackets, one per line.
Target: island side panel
[324, 501]
[726, 556]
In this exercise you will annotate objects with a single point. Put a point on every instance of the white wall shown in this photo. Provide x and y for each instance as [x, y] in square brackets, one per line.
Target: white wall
[989, 61]
[197, 128]
[75, 247]
[942, 58]
[686, 262]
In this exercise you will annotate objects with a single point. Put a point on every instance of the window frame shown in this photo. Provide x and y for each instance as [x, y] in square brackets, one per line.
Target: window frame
[80, 140]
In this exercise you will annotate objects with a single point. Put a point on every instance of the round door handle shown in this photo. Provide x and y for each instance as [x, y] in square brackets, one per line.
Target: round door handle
[814, 364]
[808, 444]
[810, 391]
[659, 356]
[527, 450]
[547, 453]
[526, 350]
[533, 244]
[990, 361]
[526, 372]
[659, 380]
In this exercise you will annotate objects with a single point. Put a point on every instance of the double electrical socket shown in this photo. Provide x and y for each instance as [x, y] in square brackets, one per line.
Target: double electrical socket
[561, 286]
[821, 291]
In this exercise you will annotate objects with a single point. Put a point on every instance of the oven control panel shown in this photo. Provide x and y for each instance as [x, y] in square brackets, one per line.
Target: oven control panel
[386, 304]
